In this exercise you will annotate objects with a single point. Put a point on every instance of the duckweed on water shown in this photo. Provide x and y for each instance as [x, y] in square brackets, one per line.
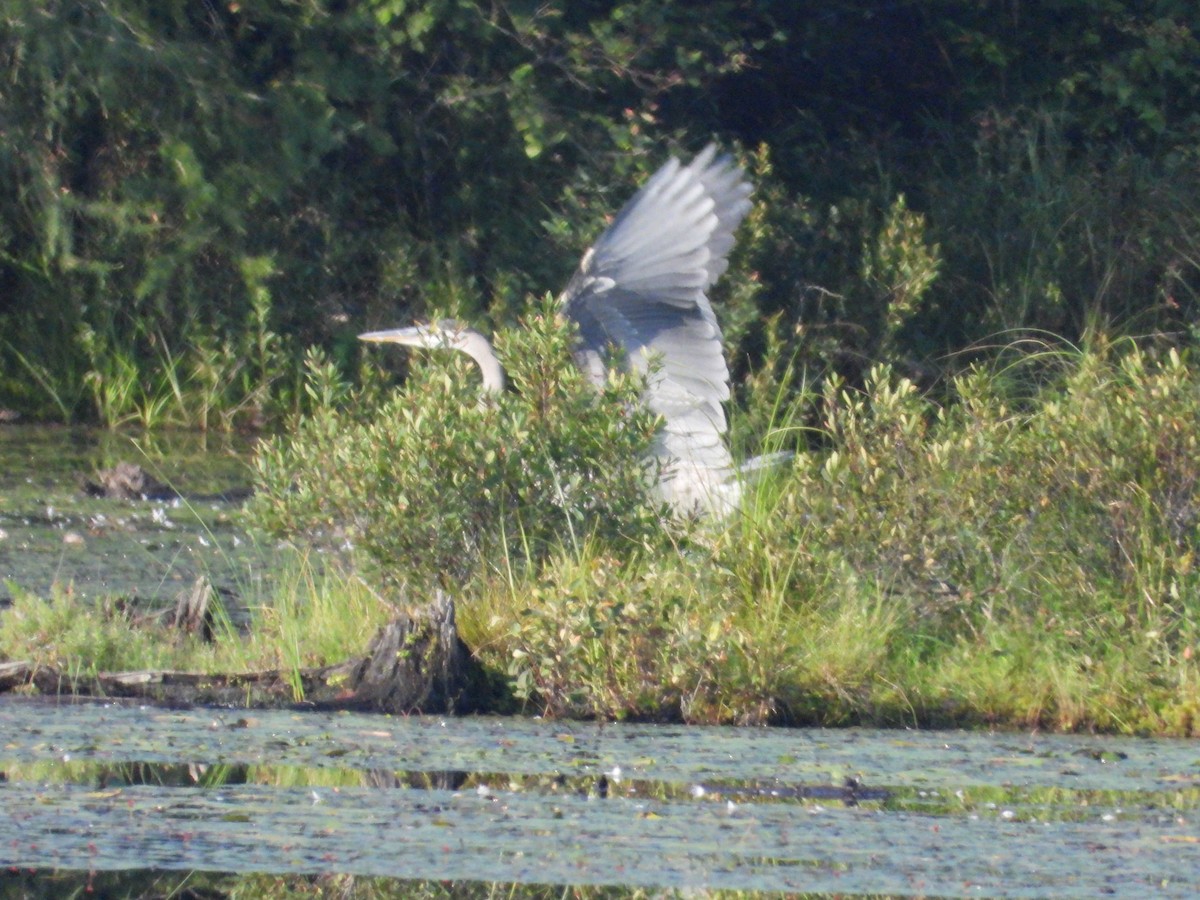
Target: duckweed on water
[505, 832]
[292, 796]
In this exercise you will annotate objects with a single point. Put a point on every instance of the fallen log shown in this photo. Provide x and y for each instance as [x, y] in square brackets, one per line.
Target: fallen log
[273, 688]
[415, 664]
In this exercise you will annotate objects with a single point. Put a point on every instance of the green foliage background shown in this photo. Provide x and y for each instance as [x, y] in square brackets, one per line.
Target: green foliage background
[191, 194]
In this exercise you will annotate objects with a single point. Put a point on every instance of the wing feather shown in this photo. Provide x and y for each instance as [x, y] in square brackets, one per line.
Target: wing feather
[641, 288]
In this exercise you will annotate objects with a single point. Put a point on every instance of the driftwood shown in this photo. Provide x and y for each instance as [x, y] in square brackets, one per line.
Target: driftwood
[251, 689]
[416, 663]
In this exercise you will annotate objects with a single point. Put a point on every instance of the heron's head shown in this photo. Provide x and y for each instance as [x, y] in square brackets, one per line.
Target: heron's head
[444, 333]
[448, 334]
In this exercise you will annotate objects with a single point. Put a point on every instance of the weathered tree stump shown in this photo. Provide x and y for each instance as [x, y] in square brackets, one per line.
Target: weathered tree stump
[193, 610]
[415, 662]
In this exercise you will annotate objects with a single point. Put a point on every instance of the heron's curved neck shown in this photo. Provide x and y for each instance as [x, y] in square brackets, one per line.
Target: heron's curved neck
[489, 366]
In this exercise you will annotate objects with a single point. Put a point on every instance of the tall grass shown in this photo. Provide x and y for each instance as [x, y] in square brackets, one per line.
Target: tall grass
[314, 612]
[209, 380]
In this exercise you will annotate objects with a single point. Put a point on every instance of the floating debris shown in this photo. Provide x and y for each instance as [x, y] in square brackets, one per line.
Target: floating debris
[128, 481]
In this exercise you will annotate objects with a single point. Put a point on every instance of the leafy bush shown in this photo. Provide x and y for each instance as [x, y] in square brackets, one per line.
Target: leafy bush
[440, 480]
[612, 634]
[1032, 534]
[987, 496]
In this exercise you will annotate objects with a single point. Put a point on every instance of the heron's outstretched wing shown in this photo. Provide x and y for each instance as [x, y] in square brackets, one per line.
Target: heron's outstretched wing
[641, 288]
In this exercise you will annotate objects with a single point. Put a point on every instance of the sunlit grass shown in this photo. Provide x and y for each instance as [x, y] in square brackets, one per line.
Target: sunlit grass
[314, 614]
[81, 638]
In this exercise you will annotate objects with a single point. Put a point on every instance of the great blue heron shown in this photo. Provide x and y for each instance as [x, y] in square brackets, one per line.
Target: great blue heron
[641, 289]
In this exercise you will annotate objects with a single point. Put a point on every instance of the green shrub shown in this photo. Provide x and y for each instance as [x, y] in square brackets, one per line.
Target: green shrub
[1019, 538]
[439, 479]
[1023, 555]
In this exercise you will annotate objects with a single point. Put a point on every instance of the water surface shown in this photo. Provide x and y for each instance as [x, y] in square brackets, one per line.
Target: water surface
[110, 787]
[52, 535]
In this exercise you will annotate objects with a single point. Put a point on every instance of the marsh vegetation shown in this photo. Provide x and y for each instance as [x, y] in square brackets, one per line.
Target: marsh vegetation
[965, 299]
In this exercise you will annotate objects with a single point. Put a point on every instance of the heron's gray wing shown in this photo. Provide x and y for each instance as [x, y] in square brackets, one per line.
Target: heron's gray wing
[641, 288]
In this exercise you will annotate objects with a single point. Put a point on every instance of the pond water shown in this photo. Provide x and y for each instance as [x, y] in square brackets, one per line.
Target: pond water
[145, 552]
[112, 787]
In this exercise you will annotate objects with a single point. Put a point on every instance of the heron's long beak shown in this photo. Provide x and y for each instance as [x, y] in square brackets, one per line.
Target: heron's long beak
[412, 336]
